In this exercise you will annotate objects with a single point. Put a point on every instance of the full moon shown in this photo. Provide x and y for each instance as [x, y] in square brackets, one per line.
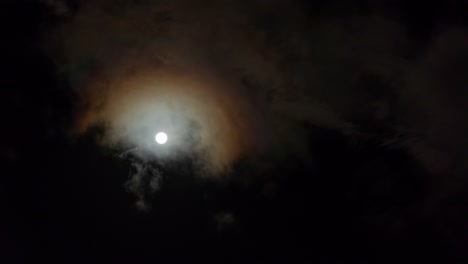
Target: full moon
[161, 138]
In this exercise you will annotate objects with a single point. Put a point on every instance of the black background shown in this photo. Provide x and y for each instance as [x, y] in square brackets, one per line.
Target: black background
[62, 200]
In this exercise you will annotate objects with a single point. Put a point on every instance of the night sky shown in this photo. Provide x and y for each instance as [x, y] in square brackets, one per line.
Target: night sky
[298, 131]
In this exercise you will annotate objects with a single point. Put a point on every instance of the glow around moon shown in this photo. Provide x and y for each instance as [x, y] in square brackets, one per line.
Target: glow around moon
[204, 117]
[161, 138]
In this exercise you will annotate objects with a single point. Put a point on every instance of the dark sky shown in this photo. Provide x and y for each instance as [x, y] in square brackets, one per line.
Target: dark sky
[299, 131]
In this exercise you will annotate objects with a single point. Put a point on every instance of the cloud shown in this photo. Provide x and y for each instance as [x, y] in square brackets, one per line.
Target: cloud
[225, 82]
[433, 103]
[231, 80]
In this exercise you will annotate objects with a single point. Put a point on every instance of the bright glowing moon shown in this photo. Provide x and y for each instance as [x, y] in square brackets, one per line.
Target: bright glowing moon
[161, 138]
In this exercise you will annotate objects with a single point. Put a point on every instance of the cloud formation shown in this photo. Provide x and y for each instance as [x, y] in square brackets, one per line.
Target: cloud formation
[228, 80]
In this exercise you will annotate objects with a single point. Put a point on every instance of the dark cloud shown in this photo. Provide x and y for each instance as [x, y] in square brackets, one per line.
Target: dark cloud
[288, 121]
[239, 70]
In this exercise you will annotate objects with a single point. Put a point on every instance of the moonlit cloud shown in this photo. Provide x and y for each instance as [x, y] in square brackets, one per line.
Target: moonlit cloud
[226, 83]
[202, 116]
